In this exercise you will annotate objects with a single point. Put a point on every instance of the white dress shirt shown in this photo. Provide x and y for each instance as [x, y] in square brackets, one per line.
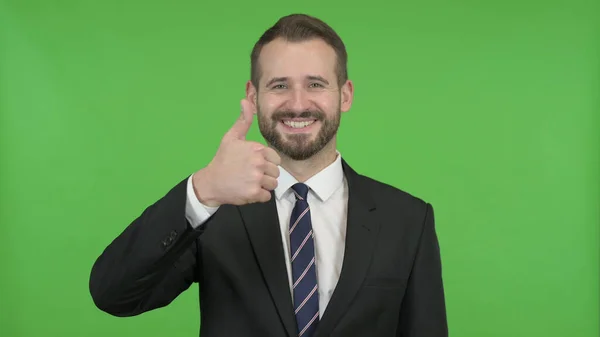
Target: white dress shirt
[328, 200]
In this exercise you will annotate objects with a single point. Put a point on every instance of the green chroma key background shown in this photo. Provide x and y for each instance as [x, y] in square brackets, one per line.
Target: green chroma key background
[489, 110]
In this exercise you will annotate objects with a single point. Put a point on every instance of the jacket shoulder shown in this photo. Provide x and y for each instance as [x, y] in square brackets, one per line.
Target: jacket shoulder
[386, 194]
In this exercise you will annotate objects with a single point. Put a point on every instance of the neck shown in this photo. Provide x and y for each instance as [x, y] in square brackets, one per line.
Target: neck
[303, 170]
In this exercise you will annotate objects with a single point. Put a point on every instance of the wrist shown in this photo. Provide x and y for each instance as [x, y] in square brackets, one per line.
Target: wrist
[203, 189]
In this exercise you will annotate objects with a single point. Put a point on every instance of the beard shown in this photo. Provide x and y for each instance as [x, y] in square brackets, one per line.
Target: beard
[298, 146]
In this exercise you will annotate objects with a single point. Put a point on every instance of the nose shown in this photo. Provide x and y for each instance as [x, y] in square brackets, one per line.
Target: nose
[299, 100]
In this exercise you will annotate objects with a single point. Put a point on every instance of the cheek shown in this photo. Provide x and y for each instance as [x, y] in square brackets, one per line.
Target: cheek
[269, 103]
[328, 102]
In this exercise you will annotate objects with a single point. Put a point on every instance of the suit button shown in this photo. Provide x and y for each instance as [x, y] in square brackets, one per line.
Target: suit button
[167, 241]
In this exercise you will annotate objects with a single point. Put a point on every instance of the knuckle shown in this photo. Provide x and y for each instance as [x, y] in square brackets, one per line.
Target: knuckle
[256, 146]
[255, 191]
[258, 161]
[257, 175]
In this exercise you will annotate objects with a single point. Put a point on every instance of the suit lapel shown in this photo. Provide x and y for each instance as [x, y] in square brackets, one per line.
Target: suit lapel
[361, 234]
[262, 224]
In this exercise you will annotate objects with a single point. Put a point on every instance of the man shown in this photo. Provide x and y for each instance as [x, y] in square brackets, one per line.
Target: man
[284, 240]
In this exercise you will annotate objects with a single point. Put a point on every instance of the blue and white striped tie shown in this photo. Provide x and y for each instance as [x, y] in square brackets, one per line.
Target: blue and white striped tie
[304, 276]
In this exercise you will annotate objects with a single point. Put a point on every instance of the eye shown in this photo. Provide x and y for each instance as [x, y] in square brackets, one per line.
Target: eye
[279, 86]
[316, 85]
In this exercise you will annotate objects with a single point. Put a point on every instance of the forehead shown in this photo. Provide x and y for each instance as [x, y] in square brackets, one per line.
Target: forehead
[296, 60]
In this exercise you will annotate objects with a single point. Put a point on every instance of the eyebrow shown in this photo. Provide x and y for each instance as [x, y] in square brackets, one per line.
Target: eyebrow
[284, 79]
[276, 79]
[318, 78]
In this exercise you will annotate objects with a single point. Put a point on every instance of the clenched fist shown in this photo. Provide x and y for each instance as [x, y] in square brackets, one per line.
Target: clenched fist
[241, 172]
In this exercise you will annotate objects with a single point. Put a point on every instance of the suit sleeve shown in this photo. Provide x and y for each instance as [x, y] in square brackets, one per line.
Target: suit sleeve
[152, 261]
[423, 311]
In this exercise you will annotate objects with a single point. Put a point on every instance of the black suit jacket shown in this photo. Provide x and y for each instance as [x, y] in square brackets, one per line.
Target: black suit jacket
[390, 282]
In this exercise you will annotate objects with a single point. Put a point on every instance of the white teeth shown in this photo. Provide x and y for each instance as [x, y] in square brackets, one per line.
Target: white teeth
[298, 125]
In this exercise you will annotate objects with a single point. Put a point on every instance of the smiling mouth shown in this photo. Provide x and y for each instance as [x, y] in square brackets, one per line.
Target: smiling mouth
[296, 124]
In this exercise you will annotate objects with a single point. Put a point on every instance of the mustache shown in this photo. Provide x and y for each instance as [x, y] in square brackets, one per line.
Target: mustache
[318, 115]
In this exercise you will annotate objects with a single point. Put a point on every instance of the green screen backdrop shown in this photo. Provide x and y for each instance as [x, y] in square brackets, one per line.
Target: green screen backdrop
[490, 110]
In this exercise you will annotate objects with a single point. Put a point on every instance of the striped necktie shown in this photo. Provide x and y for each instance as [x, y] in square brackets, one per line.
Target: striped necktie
[306, 296]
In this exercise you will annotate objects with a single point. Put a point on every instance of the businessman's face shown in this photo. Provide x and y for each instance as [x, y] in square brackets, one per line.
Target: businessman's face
[299, 102]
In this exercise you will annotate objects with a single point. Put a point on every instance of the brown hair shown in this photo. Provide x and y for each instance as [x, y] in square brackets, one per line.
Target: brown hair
[298, 28]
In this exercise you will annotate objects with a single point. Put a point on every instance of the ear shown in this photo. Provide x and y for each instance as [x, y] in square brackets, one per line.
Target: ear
[252, 95]
[347, 96]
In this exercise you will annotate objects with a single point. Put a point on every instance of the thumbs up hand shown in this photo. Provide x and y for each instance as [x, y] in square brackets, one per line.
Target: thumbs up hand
[241, 171]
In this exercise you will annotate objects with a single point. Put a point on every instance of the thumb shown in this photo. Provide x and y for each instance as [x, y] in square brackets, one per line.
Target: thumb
[239, 130]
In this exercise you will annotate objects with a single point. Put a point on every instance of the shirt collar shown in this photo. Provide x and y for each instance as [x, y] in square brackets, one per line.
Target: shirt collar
[323, 184]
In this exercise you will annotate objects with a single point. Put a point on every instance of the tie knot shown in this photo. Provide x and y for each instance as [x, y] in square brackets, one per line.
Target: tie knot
[300, 190]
